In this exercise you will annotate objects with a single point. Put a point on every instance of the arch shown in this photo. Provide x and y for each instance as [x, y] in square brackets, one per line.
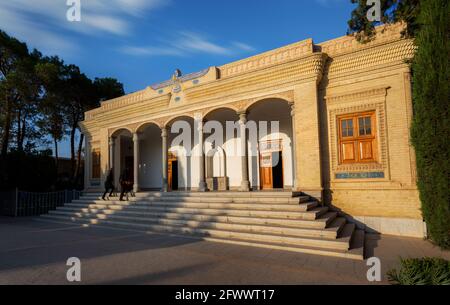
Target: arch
[142, 126]
[223, 107]
[257, 102]
[115, 131]
[172, 119]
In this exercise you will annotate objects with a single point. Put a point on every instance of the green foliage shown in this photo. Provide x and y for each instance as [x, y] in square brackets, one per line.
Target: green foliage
[421, 271]
[430, 130]
[43, 98]
[392, 11]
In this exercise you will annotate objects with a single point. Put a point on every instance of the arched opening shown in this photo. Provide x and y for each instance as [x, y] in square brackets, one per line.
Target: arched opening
[223, 163]
[123, 154]
[183, 162]
[150, 156]
[270, 151]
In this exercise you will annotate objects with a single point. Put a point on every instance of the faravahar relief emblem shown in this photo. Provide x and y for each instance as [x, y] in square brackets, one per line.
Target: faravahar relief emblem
[176, 80]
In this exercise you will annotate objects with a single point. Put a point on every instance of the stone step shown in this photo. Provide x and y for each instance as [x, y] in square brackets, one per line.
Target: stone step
[239, 210]
[225, 194]
[202, 221]
[214, 205]
[205, 214]
[342, 243]
[225, 199]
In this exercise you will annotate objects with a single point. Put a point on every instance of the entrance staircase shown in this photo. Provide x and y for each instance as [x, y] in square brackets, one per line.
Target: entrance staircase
[277, 220]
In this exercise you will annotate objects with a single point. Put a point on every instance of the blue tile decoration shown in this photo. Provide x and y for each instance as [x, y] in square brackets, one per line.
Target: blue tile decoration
[196, 81]
[177, 99]
[360, 175]
[161, 91]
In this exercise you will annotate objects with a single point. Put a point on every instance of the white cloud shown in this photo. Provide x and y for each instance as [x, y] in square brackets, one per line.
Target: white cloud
[35, 34]
[194, 42]
[187, 43]
[151, 51]
[243, 46]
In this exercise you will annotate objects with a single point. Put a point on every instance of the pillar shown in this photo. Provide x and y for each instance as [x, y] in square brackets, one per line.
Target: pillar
[136, 161]
[245, 183]
[87, 163]
[294, 143]
[202, 183]
[165, 185]
[112, 143]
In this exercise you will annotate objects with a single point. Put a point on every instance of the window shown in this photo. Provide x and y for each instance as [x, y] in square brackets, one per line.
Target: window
[357, 140]
[96, 164]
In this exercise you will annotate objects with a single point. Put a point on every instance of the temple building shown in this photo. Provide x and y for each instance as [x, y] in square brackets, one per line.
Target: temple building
[344, 111]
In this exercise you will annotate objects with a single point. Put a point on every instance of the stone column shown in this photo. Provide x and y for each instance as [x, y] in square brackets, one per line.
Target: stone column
[202, 183]
[165, 185]
[87, 163]
[245, 183]
[294, 143]
[136, 161]
[112, 143]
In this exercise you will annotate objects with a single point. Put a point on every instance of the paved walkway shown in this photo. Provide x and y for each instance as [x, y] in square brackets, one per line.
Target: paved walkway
[35, 252]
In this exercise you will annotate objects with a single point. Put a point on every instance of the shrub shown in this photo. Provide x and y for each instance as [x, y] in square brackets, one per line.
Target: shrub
[430, 130]
[421, 271]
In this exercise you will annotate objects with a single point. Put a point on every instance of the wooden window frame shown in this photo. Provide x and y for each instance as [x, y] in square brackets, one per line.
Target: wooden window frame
[357, 140]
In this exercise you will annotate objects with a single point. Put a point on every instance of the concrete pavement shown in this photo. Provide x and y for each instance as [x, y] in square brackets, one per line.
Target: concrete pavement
[35, 252]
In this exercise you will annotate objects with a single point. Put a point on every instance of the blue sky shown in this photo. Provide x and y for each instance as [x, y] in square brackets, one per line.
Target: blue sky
[141, 42]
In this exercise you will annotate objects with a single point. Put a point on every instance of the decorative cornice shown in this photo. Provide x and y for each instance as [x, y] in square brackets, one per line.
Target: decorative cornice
[295, 71]
[274, 57]
[349, 44]
[380, 91]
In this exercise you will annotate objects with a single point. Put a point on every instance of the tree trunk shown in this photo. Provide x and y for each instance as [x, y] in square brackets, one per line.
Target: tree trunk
[56, 156]
[80, 147]
[7, 127]
[72, 150]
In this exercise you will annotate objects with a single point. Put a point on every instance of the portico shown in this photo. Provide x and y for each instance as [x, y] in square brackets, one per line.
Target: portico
[240, 161]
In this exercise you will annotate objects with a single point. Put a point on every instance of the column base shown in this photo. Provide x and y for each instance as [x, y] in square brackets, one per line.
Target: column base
[202, 187]
[245, 186]
[135, 188]
[165, 187]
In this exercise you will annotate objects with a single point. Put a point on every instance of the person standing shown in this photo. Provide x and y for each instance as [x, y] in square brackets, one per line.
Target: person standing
[109, 184]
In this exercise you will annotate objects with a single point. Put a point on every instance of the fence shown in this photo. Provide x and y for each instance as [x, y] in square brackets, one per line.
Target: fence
[19, 203]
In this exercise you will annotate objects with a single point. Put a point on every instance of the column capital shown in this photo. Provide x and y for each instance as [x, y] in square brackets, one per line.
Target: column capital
[242, 116]
[164, 132]
[292, 106]
[112, 141]
[136, 136]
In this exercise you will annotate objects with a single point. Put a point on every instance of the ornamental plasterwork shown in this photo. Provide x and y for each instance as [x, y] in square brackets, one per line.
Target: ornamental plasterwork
[369, 100]
[277, 56]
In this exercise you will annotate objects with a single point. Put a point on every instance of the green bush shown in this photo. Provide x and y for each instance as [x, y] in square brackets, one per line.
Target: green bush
[421, 271]
[430, 130]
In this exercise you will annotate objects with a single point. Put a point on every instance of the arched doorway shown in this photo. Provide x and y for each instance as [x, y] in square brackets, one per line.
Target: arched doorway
[270, 151]
[183, 163]
[123, 154]
[223, 163]
[150, 156]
